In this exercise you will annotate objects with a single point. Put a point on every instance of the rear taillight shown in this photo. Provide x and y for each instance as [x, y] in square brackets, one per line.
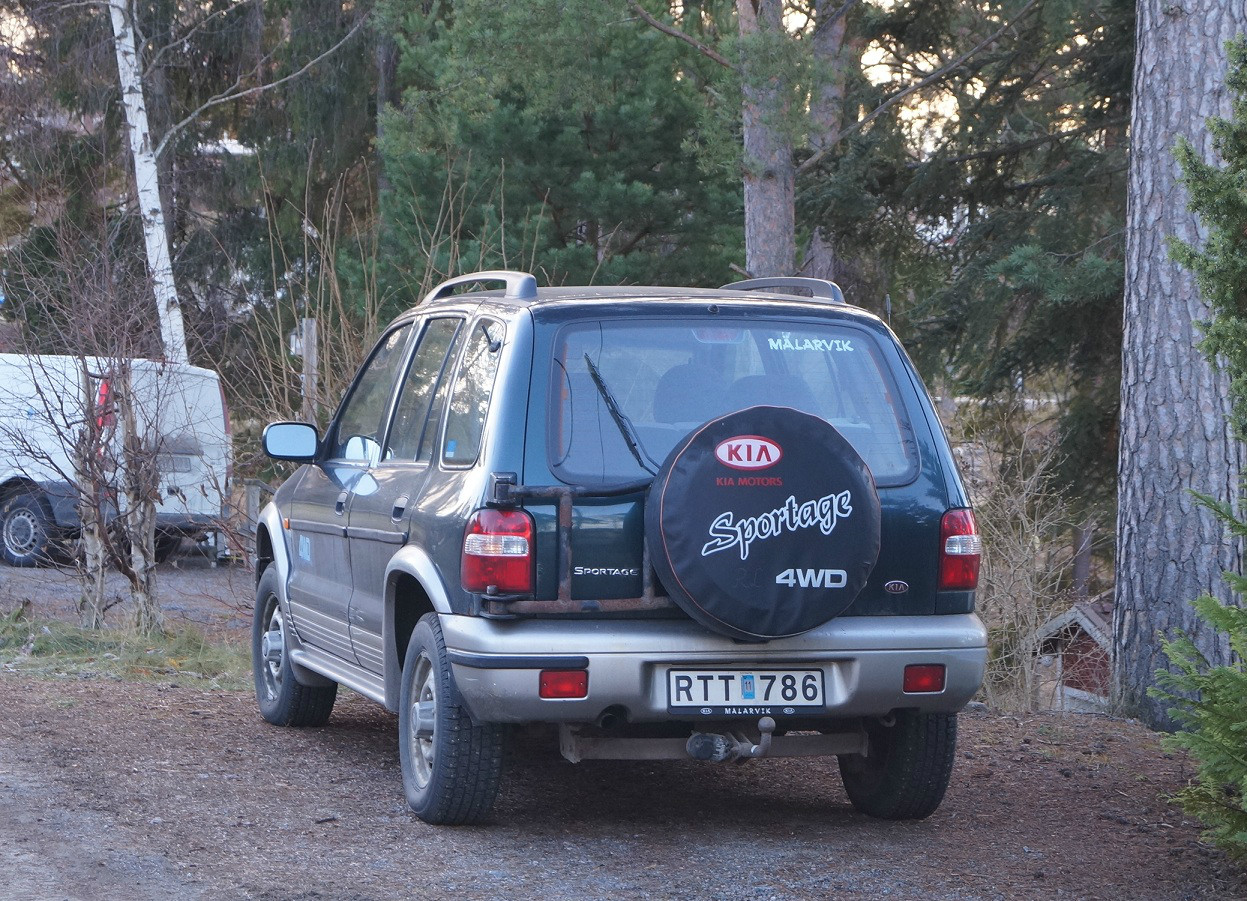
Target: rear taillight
[960, 550]
[498, 552]
[103, 406]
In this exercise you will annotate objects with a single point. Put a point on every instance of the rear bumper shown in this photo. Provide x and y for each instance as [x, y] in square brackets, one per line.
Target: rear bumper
[497, 663]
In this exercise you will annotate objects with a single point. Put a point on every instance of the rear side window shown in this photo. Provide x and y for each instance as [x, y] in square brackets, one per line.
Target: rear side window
[665, 378]
[469, 401]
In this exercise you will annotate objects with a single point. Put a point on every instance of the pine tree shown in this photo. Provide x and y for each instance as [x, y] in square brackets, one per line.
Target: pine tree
[550, 136]
[1023, 198]
[1210, 702]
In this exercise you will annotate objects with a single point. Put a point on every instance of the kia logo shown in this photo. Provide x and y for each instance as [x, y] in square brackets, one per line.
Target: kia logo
[748, 452]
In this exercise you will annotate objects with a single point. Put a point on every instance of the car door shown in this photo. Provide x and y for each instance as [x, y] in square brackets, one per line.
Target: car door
[320, 575]
[381, 502]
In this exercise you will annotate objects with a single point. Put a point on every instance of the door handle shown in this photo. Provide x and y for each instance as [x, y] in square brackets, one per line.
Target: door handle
[400, 507]
[339, 506]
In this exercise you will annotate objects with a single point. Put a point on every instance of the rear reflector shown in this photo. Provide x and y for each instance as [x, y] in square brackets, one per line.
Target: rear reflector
[924, 678]
[564, 683]
[960, 550]
[498, 552]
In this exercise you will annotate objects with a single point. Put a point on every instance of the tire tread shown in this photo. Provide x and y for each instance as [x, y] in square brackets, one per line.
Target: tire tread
[296, 705]
[914, 774]
[470, 755]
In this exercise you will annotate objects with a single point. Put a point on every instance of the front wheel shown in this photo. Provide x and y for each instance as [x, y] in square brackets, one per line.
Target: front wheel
[452, 765]
[25, 531]
[905, 773]
[283, 701]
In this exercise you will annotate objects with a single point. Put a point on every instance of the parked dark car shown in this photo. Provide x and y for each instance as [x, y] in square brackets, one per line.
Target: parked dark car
[657, 522]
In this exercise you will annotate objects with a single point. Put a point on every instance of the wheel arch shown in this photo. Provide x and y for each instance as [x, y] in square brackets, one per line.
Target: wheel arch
[412, 589]
[270, 546]
[15, 485]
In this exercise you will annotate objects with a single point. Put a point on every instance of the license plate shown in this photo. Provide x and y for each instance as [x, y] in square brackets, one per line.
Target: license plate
[754, 692]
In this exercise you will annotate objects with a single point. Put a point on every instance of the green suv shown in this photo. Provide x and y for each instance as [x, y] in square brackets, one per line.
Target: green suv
[654, 523]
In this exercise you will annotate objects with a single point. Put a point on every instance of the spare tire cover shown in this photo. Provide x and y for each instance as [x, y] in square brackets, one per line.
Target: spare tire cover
[763, 523]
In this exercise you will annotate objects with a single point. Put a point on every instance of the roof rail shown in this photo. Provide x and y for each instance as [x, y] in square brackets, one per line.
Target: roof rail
[819, 288]
[520, 285]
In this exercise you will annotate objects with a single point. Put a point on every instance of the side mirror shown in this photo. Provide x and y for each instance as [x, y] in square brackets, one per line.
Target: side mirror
[294, 441]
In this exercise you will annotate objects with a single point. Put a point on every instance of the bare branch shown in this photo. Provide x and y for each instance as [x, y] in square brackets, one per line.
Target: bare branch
[195, 27]
[704, 49]
[231, 95]
[896, 98]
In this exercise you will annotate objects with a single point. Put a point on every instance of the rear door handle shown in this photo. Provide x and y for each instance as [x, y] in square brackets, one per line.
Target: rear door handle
[400, 507]
[340, 506]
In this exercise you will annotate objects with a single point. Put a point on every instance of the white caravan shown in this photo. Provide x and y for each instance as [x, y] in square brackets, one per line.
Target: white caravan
[44, 404]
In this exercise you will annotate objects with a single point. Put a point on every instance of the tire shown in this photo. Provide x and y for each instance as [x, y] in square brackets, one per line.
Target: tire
[907, 770]
[282, 699]
[763, 523]
[167, 544]
[452, 765]
[26, 531]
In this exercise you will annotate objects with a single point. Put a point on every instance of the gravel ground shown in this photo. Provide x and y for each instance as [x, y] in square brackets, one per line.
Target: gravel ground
[193, 590]
[141, 790]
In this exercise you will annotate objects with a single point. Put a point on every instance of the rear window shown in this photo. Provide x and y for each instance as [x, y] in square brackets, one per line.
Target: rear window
[665, 378]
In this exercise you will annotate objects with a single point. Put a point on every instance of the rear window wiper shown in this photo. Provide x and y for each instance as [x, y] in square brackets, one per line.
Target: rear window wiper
[622, 422]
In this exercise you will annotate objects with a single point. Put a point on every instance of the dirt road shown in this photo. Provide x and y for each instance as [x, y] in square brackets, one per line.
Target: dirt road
[155, 791]
[121, 790]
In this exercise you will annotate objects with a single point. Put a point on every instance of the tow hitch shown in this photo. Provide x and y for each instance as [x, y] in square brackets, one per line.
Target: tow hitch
[714, 747]
[711, 747]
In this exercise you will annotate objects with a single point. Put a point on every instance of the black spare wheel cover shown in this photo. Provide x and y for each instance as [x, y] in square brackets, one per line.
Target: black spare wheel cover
[763, 523]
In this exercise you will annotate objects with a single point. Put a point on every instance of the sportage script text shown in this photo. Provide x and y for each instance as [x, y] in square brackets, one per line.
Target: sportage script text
[729, 532]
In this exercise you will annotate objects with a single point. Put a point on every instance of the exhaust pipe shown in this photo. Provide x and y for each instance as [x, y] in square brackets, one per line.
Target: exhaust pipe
[611, 717]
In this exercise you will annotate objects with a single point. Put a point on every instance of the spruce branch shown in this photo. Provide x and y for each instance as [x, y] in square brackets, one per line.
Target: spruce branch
[931, 79]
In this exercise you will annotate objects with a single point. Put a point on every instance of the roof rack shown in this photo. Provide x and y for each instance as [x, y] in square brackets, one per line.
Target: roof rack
[819, 288]
[520, 285]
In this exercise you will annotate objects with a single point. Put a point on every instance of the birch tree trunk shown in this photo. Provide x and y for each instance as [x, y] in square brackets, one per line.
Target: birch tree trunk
[89, 454]
[147, 184]
[140, 479]
[1174, 433]
[770, 175]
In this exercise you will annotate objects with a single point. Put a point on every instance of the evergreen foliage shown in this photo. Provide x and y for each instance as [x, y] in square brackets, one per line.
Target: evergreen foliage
[552, 136]
[579, 141]
[1211, 702]
[1022, 197]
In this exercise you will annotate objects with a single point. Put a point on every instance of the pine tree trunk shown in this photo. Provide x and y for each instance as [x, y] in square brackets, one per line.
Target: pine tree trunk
[1174, 434]
[826, 118]
[770, 175]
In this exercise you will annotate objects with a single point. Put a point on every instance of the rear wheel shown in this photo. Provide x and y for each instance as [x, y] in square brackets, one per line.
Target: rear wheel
[167, 544]
[26, 531]
[452, 765]
[282, 699]
[907, 770]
